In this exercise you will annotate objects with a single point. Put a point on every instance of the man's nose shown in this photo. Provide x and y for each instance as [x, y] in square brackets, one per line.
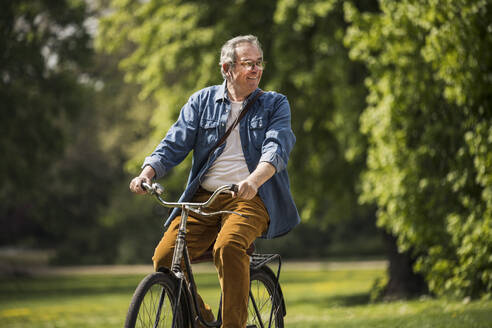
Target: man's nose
[255, 68]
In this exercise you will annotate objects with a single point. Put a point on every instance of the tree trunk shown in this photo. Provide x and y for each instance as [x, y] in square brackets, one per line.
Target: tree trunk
[403, 281]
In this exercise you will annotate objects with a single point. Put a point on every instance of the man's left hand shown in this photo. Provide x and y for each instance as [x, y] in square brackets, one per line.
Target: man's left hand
[246, 189]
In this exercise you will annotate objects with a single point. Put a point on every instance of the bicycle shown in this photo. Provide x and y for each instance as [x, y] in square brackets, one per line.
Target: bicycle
[168, 298]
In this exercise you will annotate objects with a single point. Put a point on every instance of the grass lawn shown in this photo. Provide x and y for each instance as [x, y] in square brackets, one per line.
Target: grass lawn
[322, 297]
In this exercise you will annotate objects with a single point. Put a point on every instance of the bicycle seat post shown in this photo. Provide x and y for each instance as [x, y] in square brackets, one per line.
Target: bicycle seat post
[180, 243]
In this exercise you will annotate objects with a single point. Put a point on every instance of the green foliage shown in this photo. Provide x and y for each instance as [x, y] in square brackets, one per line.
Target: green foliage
[43, 46]
[326, 92]
[429, 124]
[173, 51]
[68, 124]
[171, 48]
[74, 129]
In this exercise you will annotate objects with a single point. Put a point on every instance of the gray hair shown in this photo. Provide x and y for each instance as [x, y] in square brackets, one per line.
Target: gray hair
[228, 51]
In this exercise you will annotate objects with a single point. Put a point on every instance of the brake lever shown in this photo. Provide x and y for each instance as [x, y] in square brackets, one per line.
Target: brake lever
[234, 188]
[158, 189]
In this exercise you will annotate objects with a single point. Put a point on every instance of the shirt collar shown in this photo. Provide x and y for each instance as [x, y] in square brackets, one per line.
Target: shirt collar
[222, 93]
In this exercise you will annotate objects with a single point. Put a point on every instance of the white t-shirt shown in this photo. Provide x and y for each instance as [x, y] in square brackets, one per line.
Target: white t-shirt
[230, 167]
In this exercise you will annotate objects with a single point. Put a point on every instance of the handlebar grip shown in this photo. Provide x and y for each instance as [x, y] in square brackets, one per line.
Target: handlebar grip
[145, 186]
[234, 188]
[155, 188]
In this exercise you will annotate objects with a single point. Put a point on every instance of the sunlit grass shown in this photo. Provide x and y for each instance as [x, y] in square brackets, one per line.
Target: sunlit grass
[320, 298]
[81, 301]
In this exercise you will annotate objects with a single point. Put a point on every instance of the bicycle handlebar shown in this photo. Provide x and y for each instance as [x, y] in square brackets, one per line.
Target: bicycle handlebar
[157, 190]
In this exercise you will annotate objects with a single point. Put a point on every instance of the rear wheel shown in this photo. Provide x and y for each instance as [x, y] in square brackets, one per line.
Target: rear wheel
[153, 303]
[265, 303]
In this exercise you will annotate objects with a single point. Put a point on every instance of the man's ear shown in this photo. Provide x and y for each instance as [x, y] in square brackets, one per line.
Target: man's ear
[225, 68]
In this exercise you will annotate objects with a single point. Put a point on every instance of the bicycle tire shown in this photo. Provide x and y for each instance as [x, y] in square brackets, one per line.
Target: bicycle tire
[144, 306]
[266, 294]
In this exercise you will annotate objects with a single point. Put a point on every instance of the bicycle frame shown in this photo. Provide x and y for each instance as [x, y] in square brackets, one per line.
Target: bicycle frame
[181, 251]
[181, 255]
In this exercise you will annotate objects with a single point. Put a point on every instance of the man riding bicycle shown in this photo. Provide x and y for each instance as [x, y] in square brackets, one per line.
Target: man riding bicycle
[254, 156]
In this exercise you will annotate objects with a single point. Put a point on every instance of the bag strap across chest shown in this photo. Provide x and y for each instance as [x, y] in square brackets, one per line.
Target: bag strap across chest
[236, 122]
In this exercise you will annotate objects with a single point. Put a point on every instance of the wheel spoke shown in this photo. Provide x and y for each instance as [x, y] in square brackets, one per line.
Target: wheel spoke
[263, 307]
[152, 304]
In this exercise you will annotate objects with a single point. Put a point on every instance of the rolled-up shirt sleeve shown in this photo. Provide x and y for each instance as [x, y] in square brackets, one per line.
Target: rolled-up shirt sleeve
[178, 142]
[279, 138]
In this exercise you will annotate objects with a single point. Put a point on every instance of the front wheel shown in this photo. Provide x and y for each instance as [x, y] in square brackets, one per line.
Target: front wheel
[265, 305]
[153, 303]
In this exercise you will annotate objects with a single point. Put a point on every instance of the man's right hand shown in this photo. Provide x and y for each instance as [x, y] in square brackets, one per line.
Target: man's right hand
[145, 176]
[136, 184]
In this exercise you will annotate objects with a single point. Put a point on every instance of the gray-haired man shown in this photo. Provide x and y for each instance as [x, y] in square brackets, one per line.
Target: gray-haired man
[254, 157]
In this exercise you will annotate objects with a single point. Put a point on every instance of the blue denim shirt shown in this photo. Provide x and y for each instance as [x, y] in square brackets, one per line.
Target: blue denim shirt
[266, 136]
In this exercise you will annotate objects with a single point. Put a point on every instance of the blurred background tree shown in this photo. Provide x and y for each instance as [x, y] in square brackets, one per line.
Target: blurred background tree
[67, 117]
[429, 123]
[44, 46]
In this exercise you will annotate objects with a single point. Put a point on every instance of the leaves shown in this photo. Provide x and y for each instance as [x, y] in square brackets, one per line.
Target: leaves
[43, 48]
[427, 166]
[172, 48]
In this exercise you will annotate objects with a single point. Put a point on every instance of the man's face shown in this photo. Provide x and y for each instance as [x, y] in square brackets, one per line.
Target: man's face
[246, 77]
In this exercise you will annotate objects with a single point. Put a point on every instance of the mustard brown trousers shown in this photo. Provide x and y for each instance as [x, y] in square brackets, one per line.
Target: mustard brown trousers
[231, 236]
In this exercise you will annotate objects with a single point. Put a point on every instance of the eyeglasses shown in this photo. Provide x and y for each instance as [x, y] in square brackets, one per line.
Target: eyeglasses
[249, 64]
